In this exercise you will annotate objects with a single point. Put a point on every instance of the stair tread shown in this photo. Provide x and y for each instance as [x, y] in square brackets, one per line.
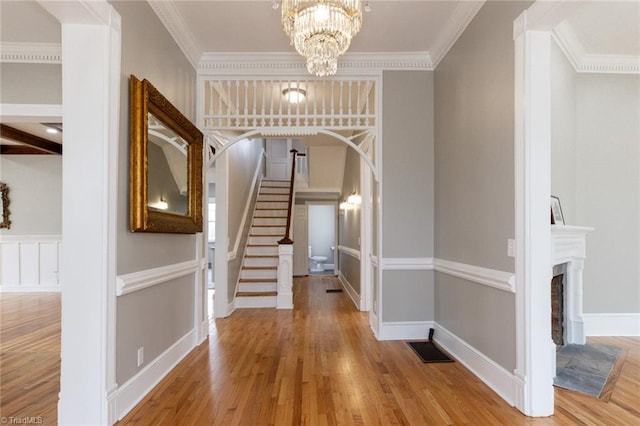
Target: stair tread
[258, 280]
[257, 268]
[256, 294]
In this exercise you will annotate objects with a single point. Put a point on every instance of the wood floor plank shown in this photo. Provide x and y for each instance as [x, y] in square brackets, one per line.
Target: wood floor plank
[318, 364]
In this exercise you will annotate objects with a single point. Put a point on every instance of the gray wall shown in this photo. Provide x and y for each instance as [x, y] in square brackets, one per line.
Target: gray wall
[35, 193]
[608, 189]
[563, 133]
[595, 158]
[43, 83]
[474, 197]
[156, 317]
[408, 192]
[243, 160]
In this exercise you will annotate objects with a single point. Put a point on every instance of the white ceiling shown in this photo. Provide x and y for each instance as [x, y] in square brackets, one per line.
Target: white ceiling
[393, 26]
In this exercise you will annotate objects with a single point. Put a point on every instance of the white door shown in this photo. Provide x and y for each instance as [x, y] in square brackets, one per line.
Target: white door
[278, 159]
[300, 241]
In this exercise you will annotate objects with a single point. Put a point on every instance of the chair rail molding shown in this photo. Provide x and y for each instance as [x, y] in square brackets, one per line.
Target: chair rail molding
[135, 281]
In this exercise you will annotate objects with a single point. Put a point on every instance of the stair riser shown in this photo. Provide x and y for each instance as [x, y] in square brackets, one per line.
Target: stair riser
[276, 230]
[279, 190]
[271, 222]
[278, 183]
[281, 198]
[271, 205]
[258, 274]
[279, 213]
[262, 250]
[256, 288]
[256, 302]
[265, 240]
[261, 261]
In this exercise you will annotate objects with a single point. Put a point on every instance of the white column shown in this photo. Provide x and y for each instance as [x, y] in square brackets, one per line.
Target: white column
[285, 277]
[221, 298]
[535, 353]
[91, 95]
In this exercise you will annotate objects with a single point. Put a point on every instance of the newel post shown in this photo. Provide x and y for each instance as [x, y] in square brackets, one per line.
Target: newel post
[285, 277]
[285, 249]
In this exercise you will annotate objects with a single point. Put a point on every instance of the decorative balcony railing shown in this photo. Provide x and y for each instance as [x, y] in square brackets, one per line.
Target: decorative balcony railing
[260, 103]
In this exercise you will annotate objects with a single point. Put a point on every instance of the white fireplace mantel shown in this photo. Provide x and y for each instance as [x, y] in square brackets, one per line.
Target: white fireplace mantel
[568, 245]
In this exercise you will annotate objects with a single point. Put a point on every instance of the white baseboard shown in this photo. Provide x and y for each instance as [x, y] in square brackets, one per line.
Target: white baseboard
[404, 330]
[130, 393]
[353, 294]
[30, 289]
[493, 375]
[611, 324]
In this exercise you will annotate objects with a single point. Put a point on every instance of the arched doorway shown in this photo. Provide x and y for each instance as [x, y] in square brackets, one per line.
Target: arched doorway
[342, 110]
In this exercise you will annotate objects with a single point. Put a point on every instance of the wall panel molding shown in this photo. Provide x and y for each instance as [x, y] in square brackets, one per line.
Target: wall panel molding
[30, 263]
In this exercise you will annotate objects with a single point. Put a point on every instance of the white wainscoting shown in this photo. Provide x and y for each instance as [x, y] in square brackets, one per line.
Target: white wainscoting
[30, 263]
[493, 375]
[611, 324]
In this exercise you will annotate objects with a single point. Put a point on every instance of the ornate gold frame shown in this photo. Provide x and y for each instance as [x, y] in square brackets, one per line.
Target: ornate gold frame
[145, 98]
[4, 193]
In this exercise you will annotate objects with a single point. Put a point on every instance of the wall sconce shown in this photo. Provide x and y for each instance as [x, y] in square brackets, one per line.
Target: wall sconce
[345, 206]
[354, 199]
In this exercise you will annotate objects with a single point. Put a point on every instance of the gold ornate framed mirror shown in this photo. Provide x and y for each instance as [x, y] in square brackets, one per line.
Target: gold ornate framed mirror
[165, 175]
[4, 206]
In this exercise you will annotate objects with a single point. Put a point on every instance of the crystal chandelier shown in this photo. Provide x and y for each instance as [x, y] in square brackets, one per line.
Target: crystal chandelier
[321, 30]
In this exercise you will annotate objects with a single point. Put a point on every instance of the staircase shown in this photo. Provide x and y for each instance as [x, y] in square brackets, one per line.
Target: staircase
[257, 286]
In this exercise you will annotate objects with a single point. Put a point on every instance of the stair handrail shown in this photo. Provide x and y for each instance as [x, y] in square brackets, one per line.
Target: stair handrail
[287, 234]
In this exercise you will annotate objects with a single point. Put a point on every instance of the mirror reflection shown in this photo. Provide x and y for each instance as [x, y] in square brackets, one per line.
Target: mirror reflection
[167, 162]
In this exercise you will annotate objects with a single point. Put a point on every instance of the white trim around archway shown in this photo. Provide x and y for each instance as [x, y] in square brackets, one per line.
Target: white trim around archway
[535, 352]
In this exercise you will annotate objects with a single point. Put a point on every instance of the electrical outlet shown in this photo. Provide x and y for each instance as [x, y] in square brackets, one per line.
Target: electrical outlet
[511, 248]
[140, 356]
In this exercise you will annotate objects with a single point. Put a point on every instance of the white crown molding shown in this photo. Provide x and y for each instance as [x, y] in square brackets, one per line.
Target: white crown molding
[170, 17]
[462, 16]
[31, 53]
[583, 62]
[279, 62]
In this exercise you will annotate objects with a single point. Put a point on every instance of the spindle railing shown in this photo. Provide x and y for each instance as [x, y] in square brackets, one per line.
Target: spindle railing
[259, 103]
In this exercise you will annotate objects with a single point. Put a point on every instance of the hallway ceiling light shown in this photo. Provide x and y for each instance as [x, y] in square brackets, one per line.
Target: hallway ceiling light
[294, 94]
[321, 30]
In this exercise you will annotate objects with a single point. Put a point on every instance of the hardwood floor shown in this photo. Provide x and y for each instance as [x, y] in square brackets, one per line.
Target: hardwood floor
[29, 356]
[316, 365]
